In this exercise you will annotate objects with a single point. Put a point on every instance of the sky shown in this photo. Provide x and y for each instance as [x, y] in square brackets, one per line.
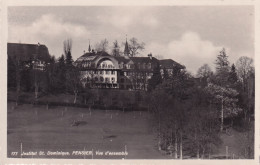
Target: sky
[190, 35]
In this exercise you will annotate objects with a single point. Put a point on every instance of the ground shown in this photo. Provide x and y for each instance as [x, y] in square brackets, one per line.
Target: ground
[35, 128]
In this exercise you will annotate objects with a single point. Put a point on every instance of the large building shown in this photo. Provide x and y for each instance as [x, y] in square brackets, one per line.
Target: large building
[101, 70]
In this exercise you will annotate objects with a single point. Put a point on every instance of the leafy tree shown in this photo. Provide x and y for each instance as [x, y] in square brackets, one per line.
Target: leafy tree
[165, 74]
[155, 79]
[226, 101]
[204, 71]
[222, 68]
[60, 74]
[233, 75]
[222, 62]
[11, 73]
[223, 93]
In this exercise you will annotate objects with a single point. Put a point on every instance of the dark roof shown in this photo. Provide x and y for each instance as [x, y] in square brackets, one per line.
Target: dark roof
[169, 63]
[143, 59]
[27, 52]
[91, 56]
[122, 59]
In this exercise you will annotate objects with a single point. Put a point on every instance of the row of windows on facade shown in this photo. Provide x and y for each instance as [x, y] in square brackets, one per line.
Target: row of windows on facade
[121, 66]
[107, 80]
[139, 66]
[102, 79]
[102, 72]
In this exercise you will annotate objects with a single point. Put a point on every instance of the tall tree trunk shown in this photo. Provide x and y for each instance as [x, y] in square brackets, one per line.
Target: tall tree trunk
[18, 83]
[75, 96]
[222, 115]
[159, 140]
[36, 90]
[181, 146]
[176, 144]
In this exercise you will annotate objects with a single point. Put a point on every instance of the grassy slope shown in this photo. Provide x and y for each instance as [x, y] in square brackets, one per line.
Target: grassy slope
[41, 129]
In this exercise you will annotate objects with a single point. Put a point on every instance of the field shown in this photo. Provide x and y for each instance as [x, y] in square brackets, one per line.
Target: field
[34, 129]
[38, 132]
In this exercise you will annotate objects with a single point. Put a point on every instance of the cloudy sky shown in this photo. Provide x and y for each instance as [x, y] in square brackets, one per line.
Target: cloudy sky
[190, 35]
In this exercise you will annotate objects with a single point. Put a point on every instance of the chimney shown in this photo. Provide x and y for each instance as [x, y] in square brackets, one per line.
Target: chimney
[150, 55]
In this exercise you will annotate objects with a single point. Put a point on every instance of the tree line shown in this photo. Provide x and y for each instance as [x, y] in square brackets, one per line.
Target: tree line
[191, 113]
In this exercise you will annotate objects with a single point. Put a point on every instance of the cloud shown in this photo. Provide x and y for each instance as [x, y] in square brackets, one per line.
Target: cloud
[49, 30]
[129, 18]
[190, 50]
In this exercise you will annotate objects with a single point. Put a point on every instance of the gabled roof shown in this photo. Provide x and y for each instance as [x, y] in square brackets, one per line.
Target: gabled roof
[169, 63]
[26, 52]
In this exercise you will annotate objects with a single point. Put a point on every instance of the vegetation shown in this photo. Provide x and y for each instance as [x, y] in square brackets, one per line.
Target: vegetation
[190, 113]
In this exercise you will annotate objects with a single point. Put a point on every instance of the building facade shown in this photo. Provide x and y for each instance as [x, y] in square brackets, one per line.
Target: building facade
[101, 70]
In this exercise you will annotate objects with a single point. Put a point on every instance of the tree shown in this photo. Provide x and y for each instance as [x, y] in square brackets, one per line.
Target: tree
[222, 90]
[244, 67]
[233, 75]
[135, 47]
[225, 99]
[39, 81]
[67, 45]
[204, 71]
[73, 81]
[222, 62]
[115, 49]
[155, 79]
[165, 74]
[102, 45]
[222, 68]
[11, 73]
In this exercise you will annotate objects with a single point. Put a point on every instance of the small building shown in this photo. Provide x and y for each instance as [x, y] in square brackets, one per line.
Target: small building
[28, 55]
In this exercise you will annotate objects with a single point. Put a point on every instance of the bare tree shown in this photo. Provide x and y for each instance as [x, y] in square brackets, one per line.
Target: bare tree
[116, 49]
[244, 67]
[67, 46]
[102, 45]
[135, 47]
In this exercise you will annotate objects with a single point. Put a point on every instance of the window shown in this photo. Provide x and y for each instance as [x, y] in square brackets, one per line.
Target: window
[113, 79]
[107, 79]
[112, 72]
[101, 72]
[107, 72]
[96, 79]
[101, 79]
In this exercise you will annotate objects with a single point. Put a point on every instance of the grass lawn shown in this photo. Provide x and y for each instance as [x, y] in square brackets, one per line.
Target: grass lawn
[35, 129]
